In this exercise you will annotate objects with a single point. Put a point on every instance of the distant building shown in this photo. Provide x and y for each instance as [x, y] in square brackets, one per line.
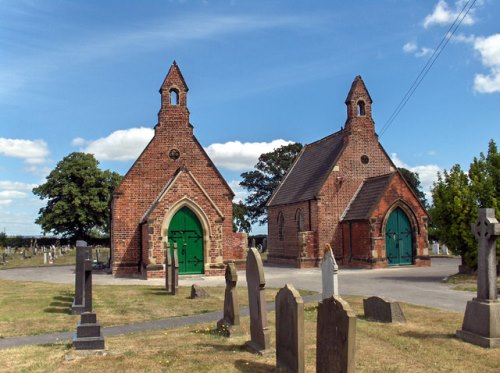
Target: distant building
[345, 191]
[173, 193]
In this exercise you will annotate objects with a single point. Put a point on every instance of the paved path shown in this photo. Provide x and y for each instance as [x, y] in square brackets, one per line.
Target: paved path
[423, 286]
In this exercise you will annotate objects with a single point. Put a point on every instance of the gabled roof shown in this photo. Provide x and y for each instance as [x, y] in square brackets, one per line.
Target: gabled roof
[309, 171]
[367, 197]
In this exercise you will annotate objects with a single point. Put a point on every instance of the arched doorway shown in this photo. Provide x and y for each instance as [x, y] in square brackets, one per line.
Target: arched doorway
[398, 239]
[185, 229]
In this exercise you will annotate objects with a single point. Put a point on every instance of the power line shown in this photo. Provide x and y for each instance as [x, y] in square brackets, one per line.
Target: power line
[430, 62]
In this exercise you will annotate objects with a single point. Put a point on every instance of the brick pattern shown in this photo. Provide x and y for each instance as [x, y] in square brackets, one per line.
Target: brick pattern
[136, 244]
[326, 210]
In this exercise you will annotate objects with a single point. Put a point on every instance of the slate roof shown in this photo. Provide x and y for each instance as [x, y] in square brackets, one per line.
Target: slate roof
[308, 173]
[367, 197]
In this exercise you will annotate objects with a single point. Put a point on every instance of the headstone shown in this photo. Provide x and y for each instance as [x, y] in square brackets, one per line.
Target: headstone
[481, 325]
[231, 319]
[435, 248]
[198, 292]
[253, 242]
[167, 261]
[45, 258]
[329, 274]
[88, 331]
[82, 254]
[444, 249]
[290, 330]
[175, 271]
[336, 336]
[256, 283]
[383, 310]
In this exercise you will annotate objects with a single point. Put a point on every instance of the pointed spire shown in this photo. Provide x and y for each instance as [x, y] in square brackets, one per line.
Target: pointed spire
[358, 90]
[359, 111]
[174, 78]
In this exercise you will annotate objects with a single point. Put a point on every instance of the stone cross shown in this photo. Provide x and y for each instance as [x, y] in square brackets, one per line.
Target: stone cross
[231, 317]
[82, 253]
[256, 283]
[486, 230]
[290, 330]
[167, 259]
[336, 336]
[329, 274]
[175, 271]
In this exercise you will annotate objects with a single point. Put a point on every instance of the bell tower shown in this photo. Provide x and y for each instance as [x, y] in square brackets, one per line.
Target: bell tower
[359, 108]
[173, 93]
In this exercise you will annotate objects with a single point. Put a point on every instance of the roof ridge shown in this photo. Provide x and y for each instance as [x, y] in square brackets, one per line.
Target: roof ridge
[328, 137]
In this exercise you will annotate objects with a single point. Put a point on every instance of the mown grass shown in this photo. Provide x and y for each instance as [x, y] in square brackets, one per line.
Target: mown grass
[465, 282]
[426, 343]
[29, 308]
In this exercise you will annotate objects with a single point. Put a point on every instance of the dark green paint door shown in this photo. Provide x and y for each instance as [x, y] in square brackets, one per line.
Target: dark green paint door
[185, 229]
[398, 239]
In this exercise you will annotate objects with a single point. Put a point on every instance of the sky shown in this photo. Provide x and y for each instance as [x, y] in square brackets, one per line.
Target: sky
[84, 76]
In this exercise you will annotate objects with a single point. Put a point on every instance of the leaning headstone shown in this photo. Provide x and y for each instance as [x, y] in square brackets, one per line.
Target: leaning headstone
[175, 271]
[231, 319]
[88, 331]
[383, 310]
[82, 254]
[168, 267]
[290, 330]
[198, 292]
[336, 335]
[256, 283]
[481, 325]
[329, 274]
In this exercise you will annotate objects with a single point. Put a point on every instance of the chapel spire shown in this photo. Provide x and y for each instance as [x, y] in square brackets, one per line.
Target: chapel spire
[174, 88]
[359, 110]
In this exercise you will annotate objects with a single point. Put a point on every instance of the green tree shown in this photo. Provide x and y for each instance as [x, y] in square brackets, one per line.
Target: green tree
[413, 180]
[78, 195]
[3, 239]
[240, 222]
[266, 177]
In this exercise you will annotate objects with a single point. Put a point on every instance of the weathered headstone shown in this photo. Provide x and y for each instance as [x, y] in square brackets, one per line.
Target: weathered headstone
[383, 310]
[231, 319]
[256, 283]
[481, 325]
[88, 331]
[198, 292]
[175, 271]
[329, 274]
[336, 336]
[444, 249]
[45, 258]
[290, 330]
[435, 248]
[82, 253]
[168, 267]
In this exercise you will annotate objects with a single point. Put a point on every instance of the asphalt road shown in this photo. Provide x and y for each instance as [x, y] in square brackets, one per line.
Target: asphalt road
[417, 285]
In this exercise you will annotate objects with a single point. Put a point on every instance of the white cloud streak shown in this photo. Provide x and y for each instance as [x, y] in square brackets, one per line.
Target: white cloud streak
[238, 156]
[31, 151]
[488, 49]
[443, 15]
[413, 48]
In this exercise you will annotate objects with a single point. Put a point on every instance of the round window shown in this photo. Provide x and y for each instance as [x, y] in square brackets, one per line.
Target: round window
[365, 159]
[174, 154]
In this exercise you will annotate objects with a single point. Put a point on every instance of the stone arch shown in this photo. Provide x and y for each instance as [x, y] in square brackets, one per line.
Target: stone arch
[360, 108]
[299, 219]
[200, 214]
[174, 96]
[281, 226]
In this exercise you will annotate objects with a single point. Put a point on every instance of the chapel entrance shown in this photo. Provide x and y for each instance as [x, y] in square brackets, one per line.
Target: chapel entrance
[185, 229]
[398, 239]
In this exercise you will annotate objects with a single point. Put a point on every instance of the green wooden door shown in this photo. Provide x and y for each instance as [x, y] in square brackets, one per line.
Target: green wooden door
[185, 229]
[398, 239]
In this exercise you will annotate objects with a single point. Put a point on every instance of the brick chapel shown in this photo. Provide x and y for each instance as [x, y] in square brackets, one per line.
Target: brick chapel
[345, 191]
[173, 194]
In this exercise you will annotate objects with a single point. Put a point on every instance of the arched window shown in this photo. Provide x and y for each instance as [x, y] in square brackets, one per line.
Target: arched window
[361, 108]
[281, 226]
[299, 219]
[174, 97]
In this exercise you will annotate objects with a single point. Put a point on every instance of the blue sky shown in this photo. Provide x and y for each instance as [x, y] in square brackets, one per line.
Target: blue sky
[84, 76]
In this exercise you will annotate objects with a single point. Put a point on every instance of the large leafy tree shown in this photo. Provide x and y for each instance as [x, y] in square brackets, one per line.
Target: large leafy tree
[240, 221]
[266, 177]
[78, 193]
[413, 180]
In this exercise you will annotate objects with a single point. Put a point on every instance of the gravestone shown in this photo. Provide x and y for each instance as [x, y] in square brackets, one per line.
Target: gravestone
[329, 274]
[481, 325]
[435, 248]
[383, 310]
[336, 336]
[256, 283]
[88, 331]
[444, 249]
[198, 292]
[167, 258]
[290, 330]
[231, 319]
[175, 271]
[45, 258]
[82, 253]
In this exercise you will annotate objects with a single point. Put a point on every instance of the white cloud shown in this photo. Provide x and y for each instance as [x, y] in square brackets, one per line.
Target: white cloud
[15, 185]
[489, 51]
[31, 151]
[410, 47]
[462, 38]
[11, 194]
[443, 15]
[238, 156]
[424, 52]
[240, 194]
[427, 174]
[121, 145]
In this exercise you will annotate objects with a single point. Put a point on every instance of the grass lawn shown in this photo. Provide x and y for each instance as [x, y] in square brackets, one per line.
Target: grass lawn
[426, 343]
[466, 282]
[28, 308]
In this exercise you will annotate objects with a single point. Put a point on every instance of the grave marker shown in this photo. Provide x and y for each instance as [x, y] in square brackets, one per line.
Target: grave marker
[481, 325]
[231, 319]
[383, 310]
[82, 253]
[175, 270]
[257, 303]
[329, 274]
[290, 330]
[167, 259]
